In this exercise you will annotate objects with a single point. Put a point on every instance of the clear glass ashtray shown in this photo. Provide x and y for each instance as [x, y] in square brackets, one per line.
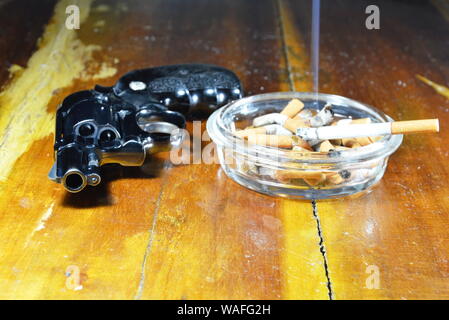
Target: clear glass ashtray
[296, 174]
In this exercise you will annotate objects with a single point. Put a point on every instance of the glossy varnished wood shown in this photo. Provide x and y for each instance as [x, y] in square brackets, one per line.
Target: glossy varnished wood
[186, 232]
[20, 31]
[398, 229]
[163, 231]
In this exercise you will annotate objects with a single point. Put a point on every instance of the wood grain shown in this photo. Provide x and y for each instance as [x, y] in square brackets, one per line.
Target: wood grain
[158, 231]
[18, 23]
[400, 227]
[104, 232]
[212, 237]
[189, 232]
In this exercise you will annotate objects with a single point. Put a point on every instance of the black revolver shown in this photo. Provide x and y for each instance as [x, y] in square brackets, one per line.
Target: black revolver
[140, 115]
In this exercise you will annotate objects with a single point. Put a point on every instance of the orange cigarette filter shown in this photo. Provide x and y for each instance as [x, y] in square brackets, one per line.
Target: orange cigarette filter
[364, 141]
[293, 108]
[415, 126]
[298, 142]
[300, 149]
[326, 146]
[349, 142]
[334, 178]
[247, 132]
[271, 140]
[294, 124]
[315, 182]
[278, 141]
[313, 176]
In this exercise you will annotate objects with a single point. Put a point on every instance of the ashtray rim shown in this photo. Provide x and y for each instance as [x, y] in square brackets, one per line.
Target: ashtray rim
[223, 136]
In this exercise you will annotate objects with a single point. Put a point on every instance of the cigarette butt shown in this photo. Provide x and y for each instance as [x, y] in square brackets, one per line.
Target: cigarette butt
[416, 126]
[246, 167]
[300, 149]
[304, 114]
[334, 178]
[294, 124]
[298, 142]
[364, 141]
[272, 140]
[269, 129]
[361, 121]
[323, 118]
[375, 139]
[336, 142]
[342, 122]
[277, 129]
[246, 132]
[349, 142]
[354, 142]
[314, 182]
[269, 118]
[341, 148]
[287, 175]
[326, 146]
[293, 108]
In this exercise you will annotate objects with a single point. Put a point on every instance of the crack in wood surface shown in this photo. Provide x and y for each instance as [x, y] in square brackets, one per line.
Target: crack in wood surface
[322, 249]
[287, 51]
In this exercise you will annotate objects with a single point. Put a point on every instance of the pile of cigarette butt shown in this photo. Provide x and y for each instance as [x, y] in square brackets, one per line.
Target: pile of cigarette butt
[302, 130]
[279, 129]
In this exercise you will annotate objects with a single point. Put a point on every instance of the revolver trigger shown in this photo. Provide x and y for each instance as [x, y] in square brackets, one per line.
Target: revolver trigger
[165, 128]
[152, 121]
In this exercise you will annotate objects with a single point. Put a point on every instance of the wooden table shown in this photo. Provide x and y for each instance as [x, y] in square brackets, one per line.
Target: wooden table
[189, 232]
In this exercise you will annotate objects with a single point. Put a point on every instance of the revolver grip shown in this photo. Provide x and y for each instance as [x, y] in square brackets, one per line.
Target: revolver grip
[195, 90]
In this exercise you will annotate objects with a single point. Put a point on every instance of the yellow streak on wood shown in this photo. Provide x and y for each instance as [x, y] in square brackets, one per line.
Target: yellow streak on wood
[444, 91]
[298, 62]
[60, 59]
[304, 273]
[303, 265]
[41, 223]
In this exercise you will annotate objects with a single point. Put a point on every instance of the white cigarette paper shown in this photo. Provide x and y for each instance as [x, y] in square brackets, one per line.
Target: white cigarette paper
[323, 118]
[271, 118]
[344, 131]
[367, 130]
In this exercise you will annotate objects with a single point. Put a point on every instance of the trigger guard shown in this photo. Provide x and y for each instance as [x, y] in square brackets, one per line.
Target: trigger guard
[160, 124]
